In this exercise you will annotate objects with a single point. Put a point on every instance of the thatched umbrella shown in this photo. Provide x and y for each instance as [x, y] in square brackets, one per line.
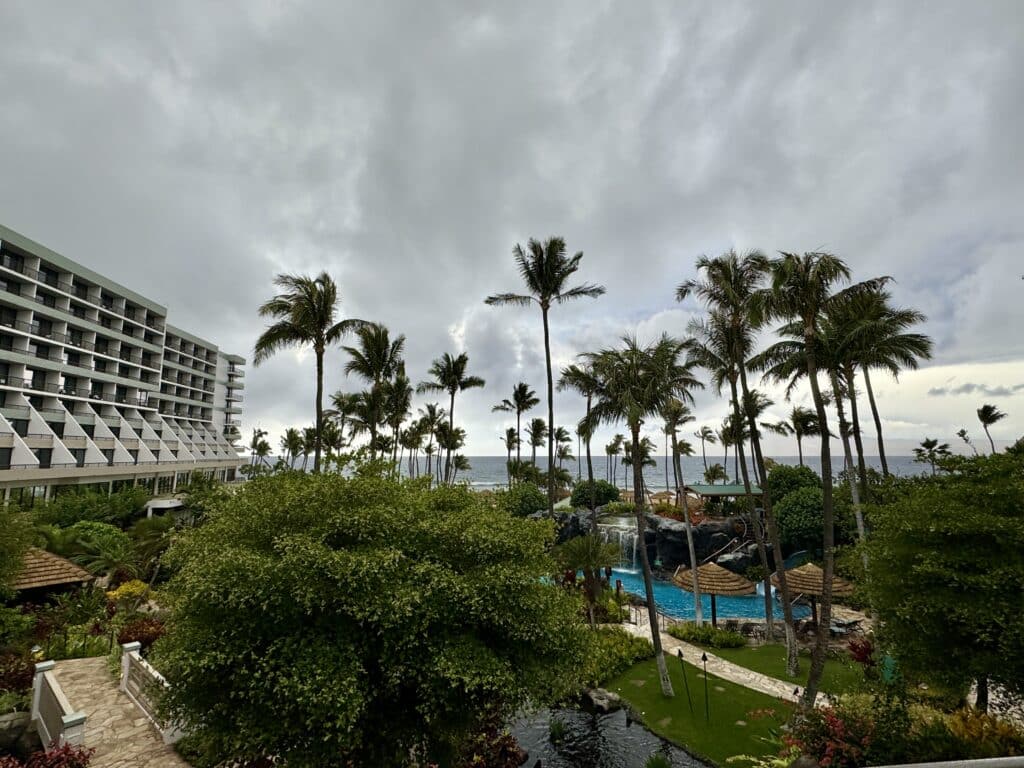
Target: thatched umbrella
[809, 580]
[714, 580]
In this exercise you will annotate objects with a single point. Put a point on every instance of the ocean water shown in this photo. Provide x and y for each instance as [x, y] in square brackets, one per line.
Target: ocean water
[489, 471]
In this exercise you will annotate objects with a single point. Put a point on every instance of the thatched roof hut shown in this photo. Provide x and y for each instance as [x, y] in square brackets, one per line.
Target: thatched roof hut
[809, 580]
[714, 580]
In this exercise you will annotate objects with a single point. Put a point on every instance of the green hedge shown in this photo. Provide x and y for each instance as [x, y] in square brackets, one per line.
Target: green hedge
[604, 492]
[613, 650]
[707, 635]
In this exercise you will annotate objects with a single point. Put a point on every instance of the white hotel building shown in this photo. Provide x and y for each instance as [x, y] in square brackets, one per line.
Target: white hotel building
[96, 389]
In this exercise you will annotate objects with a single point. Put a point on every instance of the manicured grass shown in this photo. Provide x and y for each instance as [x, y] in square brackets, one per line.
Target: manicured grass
[740, 717]
[840, 676]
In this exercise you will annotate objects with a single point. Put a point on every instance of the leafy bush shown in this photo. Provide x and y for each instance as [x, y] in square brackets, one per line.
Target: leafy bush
[613, 651]
[16, 672]
[707, 635]
[604, 492]
[523, 499]
[88, 535]
[985, 736]
[11, 701]
[799, 519]
[72, 507]
[619, 509]
[146, 631]
[129, 593]
[783, 479]
[833, 736]
[58, 757]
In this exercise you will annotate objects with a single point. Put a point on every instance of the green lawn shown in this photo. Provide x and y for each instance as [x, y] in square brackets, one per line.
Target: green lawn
[740, 717]
[840, 676]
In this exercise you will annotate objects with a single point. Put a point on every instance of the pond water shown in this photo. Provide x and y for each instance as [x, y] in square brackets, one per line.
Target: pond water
[593, 741]
[678, 603]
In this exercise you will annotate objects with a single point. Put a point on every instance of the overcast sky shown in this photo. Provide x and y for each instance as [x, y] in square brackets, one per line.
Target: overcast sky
[193, 150]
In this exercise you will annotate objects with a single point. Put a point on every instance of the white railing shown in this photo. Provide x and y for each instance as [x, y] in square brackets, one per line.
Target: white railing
[55, 720]
[143, 685]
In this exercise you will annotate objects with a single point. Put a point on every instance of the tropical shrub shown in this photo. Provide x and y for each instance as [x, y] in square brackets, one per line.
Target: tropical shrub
[16, 672]
[604, 492]
[834, 737]
[619, 509]
[129, 593]
[312, 608]
[57, 757]
[522, 499]
[984, 735]
[613, 650]
[72, 507]
[145, 630]
[87, 536]
[707, 635]
[783, 479]
[798, 516]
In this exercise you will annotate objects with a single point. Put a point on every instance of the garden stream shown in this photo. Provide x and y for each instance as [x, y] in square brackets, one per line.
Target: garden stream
[592, 740]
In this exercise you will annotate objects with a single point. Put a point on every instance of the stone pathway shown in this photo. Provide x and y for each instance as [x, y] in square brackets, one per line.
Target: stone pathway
[121, 734]
[720, 667]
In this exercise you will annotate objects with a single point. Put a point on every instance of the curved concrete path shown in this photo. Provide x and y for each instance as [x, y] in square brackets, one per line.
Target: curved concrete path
[121, 734]
[720, 667]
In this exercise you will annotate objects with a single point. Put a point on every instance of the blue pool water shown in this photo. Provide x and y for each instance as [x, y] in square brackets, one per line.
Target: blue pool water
[678, 603]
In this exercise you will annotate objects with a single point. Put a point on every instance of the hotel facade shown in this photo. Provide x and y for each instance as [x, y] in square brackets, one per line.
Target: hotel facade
[98, 390]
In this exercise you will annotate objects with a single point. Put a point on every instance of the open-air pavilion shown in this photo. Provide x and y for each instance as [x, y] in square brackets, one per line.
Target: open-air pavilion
[809, 580]
[714, 580]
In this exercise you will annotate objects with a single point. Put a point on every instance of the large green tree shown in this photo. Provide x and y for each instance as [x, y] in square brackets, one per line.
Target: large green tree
[947, 572]
[326, 620]
[304, 313]
[546, 269]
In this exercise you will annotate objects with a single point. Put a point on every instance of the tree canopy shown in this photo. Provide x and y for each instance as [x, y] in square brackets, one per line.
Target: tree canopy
[322, 619]
[947, 571]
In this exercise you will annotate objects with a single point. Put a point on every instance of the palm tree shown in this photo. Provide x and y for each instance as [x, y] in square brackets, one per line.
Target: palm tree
[523, 399]
[309, 437]
[638, 382]
[304, 313]
[885, 343]
[291, 445]
[714, 473]
[706, 435]
[545, 269]
[537, 431]
[510, 441]
[962, 434]
[931, 451]
[803, 288]
[343, 405]
[254, 444]
[450, 376]
[989, 415]
[613, 449]
[431, 415]
[368, 414]
[581, 379]
[562, 441]
[459, 464]
[724, 436]
[376, 357]
[676, 414]
[804, 423]
[398, 403]
[588, 554]
[450, 439]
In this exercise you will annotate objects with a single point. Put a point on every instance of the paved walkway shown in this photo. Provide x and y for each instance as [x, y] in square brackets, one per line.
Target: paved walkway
[120, 732]
[719, 666]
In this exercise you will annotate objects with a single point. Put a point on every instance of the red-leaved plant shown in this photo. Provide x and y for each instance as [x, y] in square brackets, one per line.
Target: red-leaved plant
[57, 757]
[862, 650]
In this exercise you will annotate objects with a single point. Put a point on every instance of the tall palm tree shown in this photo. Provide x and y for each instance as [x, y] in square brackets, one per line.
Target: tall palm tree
[613, 449]
[706, 435]
[291, 445]
[676, 414]
[562, 440]
[431, 415]
[523, 399]
[803, 287]
[450, 439]
[537, 431]
[376, 357]
[804, 423]
[989, 415]
[724, 437]
[510, 441]
[309, 437]
[398, 403]
[368, 414]
[638, 381]
[546, 269]
[459, 464]
[450, 376]
[343, 405]
[714, 473]
[304, 313]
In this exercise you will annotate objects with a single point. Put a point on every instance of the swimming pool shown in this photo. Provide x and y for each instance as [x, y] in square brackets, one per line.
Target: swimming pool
[678, 603]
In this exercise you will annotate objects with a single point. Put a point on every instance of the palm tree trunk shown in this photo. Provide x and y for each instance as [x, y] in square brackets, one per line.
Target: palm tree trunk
[451, 434]
[508, 464]
[800, 447]
[828, 523]
[667, 487]
[878, 421]
[844, 436]
[792, 657]
[590, 474]
[317, 447]
[762, 554]
[862, 470]
[641, 527]
[704, 453]
[677, 471]
[991, 442]
[519, 436]
[551, 416]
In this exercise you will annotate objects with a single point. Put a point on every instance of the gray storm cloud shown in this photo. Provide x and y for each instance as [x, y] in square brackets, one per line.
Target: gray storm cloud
[191, 150]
